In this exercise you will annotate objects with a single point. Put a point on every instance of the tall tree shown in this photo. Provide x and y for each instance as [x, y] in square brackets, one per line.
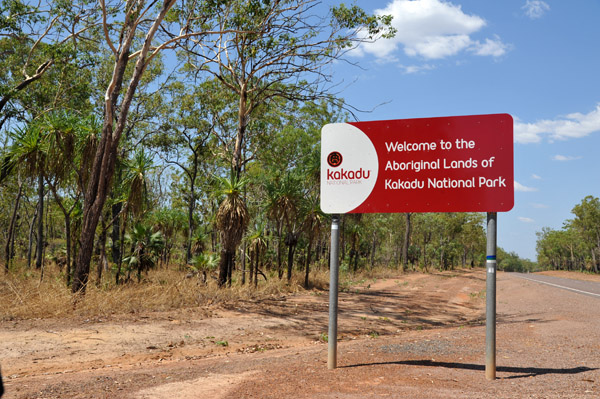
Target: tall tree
[187, 134]
[587, 222]
[134, 21]
[278, 49]
[37, 40]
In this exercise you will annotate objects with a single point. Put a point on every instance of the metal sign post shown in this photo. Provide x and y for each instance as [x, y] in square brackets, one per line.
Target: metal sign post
[490, 302]
[333, 293]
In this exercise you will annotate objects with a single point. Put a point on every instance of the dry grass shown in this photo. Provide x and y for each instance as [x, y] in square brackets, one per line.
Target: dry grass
[23, 296]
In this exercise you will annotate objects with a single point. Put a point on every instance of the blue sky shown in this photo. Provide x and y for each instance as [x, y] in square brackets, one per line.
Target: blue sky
[536, 60]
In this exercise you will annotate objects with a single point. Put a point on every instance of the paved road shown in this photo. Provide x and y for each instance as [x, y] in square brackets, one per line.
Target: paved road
[581, 287]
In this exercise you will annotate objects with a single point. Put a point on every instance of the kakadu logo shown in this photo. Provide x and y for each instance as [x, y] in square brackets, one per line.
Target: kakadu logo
[349, 167]
[334, 159]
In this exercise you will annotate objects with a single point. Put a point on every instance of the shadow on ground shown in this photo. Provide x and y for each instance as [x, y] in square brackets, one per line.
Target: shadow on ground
[523, 372]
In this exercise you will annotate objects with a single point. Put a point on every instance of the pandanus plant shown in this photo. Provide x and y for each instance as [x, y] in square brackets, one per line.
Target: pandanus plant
[231, 221]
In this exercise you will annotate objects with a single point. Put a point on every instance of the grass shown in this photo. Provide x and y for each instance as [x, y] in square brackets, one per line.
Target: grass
[24, 296]
[475, 295]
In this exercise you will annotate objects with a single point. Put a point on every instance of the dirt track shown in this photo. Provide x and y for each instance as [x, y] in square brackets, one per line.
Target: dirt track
[418, 336]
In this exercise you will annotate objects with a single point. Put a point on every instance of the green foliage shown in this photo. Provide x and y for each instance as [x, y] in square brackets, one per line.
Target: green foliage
[204, 262]
[146, 246]
[260, 110]
[355, 17]
[577, 245]
[511, 262]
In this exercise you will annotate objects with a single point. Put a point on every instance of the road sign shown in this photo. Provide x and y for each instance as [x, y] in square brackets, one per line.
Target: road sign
[446, 164]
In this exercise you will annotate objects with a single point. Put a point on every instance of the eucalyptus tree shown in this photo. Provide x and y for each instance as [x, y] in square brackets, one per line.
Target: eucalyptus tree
[472, 237]
[171, 222]
[587, 223]
[189, 135]
[35, 38]
[41, 44]
[355, 230]
[278, 49]
[136, 32]
[123, 23]
[551, 248]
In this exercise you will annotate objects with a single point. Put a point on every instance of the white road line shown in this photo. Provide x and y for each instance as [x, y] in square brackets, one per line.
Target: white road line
[560, 286]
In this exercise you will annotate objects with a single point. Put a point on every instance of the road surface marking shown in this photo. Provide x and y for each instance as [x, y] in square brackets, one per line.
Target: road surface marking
[560, 286]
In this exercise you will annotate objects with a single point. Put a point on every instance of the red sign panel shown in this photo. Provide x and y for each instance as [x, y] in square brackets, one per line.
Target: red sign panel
[448, 164]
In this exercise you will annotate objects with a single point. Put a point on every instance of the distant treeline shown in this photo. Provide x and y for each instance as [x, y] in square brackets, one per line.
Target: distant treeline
[577, 245]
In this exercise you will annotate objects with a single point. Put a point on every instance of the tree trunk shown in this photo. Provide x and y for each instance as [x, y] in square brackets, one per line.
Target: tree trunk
[572, 260]
[102, 261]
[230, 267]
[9, 249]
[116, 232]
[243, 255]
[68, 238]
[373, 250]
[279, 258]
[318, 250]
[190, 232]
[243, 113]
[31, 229]
[308, 254]
[291, 250]
[353, 261]
[342, 245]
[406, 242]
[252, 253]
[40, 223]
[256, 266]
[69, 244]
[224, 265]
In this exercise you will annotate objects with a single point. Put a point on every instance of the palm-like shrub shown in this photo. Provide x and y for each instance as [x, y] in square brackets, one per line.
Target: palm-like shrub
[231, 221]
[203, 264]
[146, 247]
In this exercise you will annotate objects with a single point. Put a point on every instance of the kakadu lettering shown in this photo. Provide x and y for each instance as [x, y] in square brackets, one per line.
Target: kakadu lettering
[348, 174]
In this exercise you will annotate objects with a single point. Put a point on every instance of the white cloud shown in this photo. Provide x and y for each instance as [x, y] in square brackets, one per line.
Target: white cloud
[573, 125]
[564, 158]
[522, 188]
[494, 48]
[408, 69]
[432, 29]
[526, 220]
[536, 177]
[535, 8]
[540, 206]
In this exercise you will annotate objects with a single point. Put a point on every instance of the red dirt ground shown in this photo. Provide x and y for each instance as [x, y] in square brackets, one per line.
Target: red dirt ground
[415, 336]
